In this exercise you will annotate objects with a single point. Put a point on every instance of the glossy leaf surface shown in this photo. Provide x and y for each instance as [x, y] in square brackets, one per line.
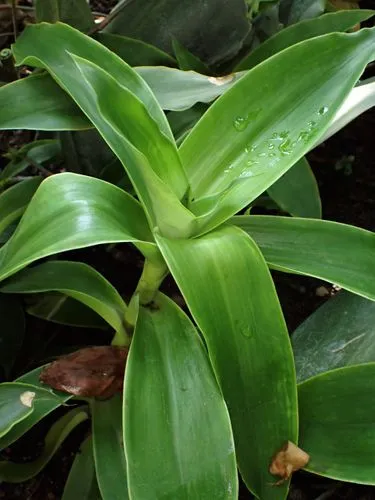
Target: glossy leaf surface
[178, 90]
[128, 128]
[247, 140]
[12, 331]
[297, 192]
[73, 211]
[110, 464]
[337, 423]
[309, 28]
[340, 333]
[59, 431]
[230, 293]
[41, 105]
[77, 280]
[181, 415]
[14, 201]
[334, 252]
[81, 483]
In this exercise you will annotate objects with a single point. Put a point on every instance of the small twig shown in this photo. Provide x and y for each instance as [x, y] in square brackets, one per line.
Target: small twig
[9, 33]
[39, 167]
[14, 19]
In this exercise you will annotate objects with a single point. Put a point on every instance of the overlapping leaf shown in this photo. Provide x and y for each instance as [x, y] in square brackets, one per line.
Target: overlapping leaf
[230, 294]
[177, 436]
[334, 252]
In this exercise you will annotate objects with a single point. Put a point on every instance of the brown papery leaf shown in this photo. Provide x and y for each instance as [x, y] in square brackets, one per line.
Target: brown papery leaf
[90, 372]
[288, 460]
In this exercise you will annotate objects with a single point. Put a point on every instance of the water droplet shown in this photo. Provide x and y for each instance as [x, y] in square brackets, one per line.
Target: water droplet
[304, 136]
[240, 123]
[286, 147]
[261, 155]
[271, 155]
[270, 145]
[245, 332]
[275, 135]
[311, 124]
[284, 134]
[323, 110]
[253, 148]
[250, 163]
[247, 150]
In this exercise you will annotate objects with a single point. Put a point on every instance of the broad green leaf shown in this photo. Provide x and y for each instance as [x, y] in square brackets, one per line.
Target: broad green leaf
[36, 152]
[59, 431]
[62, 309]
[177, 436]
[297, 192]
[155, 170]
[15, 200]
[309, 28]
[42, 406]
[340, 333]
[360, 99]
[77, 13]
[135, 52]
[109, 455]
[12, 331]
[81, 483]
[247, 139]
[17, 402]
[39, 46]
[77, 280]
[186, 60]
[337, 423]
[73, 211]
[230, 293]
[41, 105]
[214, 30]
[178, 90]
[334, 252]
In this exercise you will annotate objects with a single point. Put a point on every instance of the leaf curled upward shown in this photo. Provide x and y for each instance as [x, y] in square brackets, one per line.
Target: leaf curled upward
[288, 460]
[90, 372]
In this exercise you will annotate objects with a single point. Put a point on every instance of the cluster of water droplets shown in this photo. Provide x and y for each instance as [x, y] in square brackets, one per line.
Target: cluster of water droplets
[279, 145]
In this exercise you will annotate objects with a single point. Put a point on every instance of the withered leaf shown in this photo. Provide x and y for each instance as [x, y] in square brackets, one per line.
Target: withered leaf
[90, 372]
[288, 460]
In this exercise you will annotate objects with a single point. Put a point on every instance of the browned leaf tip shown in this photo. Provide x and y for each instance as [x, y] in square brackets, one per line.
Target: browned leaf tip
[288, 460]
[90, 372]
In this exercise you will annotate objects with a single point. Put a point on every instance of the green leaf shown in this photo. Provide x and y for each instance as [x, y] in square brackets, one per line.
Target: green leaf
[337, 423]
[60, 430]
[340, 333]
[62, 309]
[181, 417]
[304, 30]
[110, 463]
[135, 52]
[297, 192]
[186, 60]
[214, 30]
[228, 156]
[38, 103]
[42, 406]
[17, 402]
[178, 90]
[12, 331]
[15, 200]
[231, 296]
[81, 483]
[334, 252]
[35, 152]
[77, 13]
[74, 211]
[77, 280]
[128, 127]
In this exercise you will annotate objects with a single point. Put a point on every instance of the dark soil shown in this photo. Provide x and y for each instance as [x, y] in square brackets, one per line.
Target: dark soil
[345, 170]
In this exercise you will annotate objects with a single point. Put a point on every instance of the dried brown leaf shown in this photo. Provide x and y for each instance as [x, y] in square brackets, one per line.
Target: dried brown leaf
[288, 460]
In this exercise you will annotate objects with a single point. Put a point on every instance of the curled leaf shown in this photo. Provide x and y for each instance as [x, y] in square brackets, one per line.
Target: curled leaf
[288, 460]
[90, 372]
